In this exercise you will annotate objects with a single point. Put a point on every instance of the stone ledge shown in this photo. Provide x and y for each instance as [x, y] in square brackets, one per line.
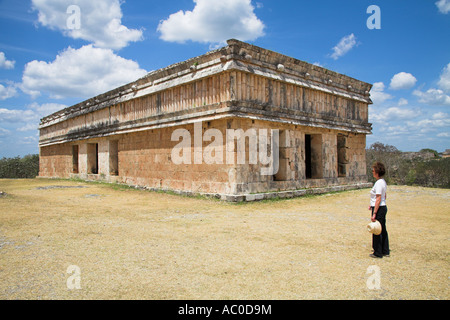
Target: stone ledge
[216, 111]
[262, 196]
[292, 193]
[227, 197]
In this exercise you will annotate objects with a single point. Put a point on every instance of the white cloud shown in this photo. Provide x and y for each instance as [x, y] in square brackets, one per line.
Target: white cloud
[5, 63]
[7, 92]
[433, 124]
[443, 6]
[45, 109]
[28, 127]
[213, 22]
[435, 97]
[16, 115]
[396, 130]
[393, 114]
[4, 132]
[29, 140]
[402, 80]
[444, 81]
[344, 46]
[438, 123]
[100, 21]
[402, 102]
[440, 115]
[377, 93]
[81, 73]
[28, 119]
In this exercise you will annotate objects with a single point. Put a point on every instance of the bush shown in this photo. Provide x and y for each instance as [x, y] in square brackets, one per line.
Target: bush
[433, 173]
[403, 169]
[388, 155]
[26, 167]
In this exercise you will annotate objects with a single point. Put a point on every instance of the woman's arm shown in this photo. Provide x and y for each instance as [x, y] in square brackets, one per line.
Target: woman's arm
[377, 206]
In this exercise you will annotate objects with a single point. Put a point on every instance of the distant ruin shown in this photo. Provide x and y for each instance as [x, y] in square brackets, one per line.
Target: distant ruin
[309, 122]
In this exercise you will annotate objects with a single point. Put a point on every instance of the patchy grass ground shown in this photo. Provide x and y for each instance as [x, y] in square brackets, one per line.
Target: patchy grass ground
[132, 244]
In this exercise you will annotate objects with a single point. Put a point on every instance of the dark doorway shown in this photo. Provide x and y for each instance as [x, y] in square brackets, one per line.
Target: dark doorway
[75, 159]
[308, 156]
[313, 156]
[92, 158]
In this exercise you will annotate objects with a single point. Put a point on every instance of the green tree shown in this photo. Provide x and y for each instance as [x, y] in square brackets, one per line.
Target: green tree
[26, 167]
[387, 154]
[401, 168]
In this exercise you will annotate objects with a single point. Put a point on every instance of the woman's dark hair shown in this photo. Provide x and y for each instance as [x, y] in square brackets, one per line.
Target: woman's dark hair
[379, 168]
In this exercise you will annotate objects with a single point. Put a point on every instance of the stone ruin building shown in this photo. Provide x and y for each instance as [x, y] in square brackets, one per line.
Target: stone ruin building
[126, 135]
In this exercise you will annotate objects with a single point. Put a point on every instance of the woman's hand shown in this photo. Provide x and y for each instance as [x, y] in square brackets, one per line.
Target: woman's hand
[374, 217]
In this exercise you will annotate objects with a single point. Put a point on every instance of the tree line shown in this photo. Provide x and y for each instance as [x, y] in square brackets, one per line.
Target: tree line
[424, 168]
[20, 168]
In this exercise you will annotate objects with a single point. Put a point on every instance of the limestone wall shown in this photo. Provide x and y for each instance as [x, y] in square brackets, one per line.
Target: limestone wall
[223, 93]
[146, 158]
[56, 161]
[125, 135]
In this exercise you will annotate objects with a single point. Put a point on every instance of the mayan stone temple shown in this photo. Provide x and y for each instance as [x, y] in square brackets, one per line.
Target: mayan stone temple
[239, 123]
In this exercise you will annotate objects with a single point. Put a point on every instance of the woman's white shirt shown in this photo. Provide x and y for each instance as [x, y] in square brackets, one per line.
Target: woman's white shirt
[379, 187]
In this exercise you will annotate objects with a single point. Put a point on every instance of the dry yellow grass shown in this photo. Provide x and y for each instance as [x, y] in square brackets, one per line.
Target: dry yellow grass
[132, 244]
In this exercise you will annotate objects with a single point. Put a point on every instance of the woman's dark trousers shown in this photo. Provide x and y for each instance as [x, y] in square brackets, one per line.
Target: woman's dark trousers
[380, 243]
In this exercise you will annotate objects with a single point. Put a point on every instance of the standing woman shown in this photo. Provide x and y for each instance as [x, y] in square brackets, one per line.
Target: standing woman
[378, 206]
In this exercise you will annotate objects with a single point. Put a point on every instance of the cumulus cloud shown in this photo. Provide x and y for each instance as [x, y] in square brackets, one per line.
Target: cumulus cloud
[344, 46]
[31, 140]
[402, 80]
[80, 73]
[16, 115]
[377, 93]
[393, 114]
[36, 112]
[440, 115]
[436, 122]
[213, 22]
[28, 127]
[28, 119]
[99, 21]
[443, 6]
[4, 133]
[400, 122]
[444, 81]
[45, 109]
[7, 92]
[402, 102]
[433, 96]
[5, 63]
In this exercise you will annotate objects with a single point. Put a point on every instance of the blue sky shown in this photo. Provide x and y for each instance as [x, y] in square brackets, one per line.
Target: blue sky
[48, 61]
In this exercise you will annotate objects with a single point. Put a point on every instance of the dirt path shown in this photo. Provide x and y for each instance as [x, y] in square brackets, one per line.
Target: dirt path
[132, 244]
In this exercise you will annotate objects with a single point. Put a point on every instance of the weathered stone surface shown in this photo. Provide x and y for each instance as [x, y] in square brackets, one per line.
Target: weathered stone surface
[125, 135]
